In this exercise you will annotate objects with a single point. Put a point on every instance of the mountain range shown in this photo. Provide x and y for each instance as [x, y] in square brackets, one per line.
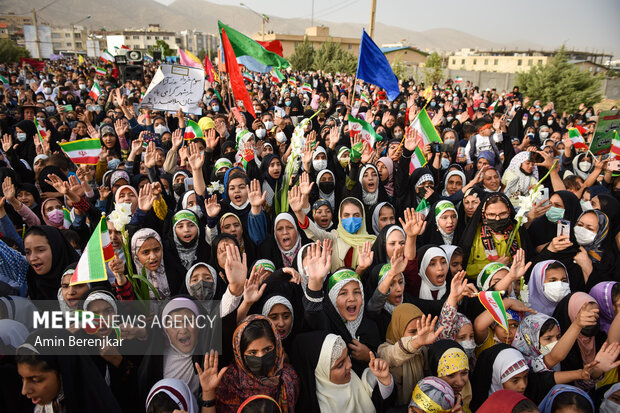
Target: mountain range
[202, 15]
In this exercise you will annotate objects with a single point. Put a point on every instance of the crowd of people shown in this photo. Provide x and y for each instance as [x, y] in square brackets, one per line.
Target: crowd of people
[351, 287]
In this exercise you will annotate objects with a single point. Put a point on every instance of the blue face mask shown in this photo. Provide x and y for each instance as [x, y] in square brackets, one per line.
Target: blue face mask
[554, 214]
[113, 164]
[445, 163]
[352, 224]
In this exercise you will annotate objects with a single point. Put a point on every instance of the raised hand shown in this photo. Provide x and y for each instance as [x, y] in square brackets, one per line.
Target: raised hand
[212, 206]
[7, 142]
[333, 137]
[296, 200]
[209, 375]
[136, 146]
[252, 288]
[212, 139]
[196, 157]
[236, 269]
[150, 155]
[459, 288]
[398, 261]
[120, 127]
[8, 189]
[380, 369]
[177, 138]
[359, 351]
[365, 256]
[586, 317]
[426, 330]
[318, 266]
[295, 276]
[516, 305]
[92, 132]
[411, 139]
[146, 198]
[58, 184]
[256, 195]
[104, 192]
[305, 184]
[414, 224]
[607, 356]
[519, 267]
[75, 187]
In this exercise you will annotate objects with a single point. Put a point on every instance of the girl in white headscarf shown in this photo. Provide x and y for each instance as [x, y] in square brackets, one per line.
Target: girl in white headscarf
[173, 390]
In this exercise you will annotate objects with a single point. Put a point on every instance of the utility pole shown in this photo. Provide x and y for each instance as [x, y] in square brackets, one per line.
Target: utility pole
[36, 32]
[373, 10]
[312, 25]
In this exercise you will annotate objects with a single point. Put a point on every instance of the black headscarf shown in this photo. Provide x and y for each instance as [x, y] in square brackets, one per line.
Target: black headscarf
[221, 286]
[26, 150]
[611, 207]
[305, 357]
[542, 230]
[275, 184]
[45, 287]
[379, 248]
[45, 187]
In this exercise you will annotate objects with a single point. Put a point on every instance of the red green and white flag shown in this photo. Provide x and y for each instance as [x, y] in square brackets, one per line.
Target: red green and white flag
[100, 71]
[423, 208]
[248, 76]
[91, 266]
[192, 130]
[83, 151]
[615, 145]
[363, 128]
[493, 106]
[576, 138]
[276, 75]
[40, 131]
[4, 80]
[66, 216]
[418, 160]
[424, 126]
[364, 97]
[492, 301]
[106, 56]
[95, 91]
[306, 88]
[292, 81]
[458, 79]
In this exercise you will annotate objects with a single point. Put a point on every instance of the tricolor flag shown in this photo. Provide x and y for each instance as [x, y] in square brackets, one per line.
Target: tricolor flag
[423, 125]
[276, 76]
[248, 76]
[493, 106]
[458, 79]
[423, 207]
[100, 71]
[492, 301]
[363, 128]
[4, 80]
[192, 130]
[40, 130]
[95, 91]
[83, 151]
[66, 216]
[364, 97]
[615, 144]
[577, 139]
[418, 160]
[292, 81]
[106, 56]
[91, 266]
[306, 88]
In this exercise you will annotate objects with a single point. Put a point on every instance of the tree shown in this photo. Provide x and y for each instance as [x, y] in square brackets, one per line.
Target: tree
[433, 70]
[331, 58]
[201, 55]
[399, 68]
[161, 45]
[10, 53]
[303, 56]
[562, 83]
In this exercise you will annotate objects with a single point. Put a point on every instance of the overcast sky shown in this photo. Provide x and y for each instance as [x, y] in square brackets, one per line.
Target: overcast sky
[583, 24]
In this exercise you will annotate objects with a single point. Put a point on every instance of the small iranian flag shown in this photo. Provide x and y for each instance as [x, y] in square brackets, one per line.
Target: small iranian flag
[247, 76]
[99, 71]
[364, 97]
[192, 130]
[615, 145]
[106, 56]
[306, 88]
[418, 160]
[492, 301]
[575, 136]
[423, 207]
[67, 221]
[91, 266]
[423, 125]
[83, 152]
[95, 91]
[40, 131]
[276, 76]
[493, 106]
[362, 128]
[4, 80]
[292, 81]
[458, 79]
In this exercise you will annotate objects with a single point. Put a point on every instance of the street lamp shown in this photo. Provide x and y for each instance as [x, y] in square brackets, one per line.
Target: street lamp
[264, 17]
[73, 30]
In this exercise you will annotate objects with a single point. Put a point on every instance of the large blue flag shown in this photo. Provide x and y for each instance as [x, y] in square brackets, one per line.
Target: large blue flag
[373, 67]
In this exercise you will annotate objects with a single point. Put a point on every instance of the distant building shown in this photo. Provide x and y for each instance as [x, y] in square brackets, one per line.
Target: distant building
[514, 61]
[14, 27]
[408, 55]
[194, 41]
[142, 39]
[586, 65]
[316, 35]
[69, 39]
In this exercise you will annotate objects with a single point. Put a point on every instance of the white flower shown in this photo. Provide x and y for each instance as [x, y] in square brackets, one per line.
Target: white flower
[215, 186]
[123, 208]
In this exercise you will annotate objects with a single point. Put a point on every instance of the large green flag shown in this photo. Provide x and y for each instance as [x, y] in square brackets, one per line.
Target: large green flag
[250, 53]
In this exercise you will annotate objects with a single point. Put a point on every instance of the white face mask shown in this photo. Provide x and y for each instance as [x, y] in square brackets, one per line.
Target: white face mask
[268, 124]
[161, 129]
[196, 209]
[609, 406]
[584, 236]
[586, 206]
[469, 346]
[556, 290]
[47, 90]
[546, 349]
[319, 164]
[82, 86]
[281, 137]
[21, 136]
[261, 133]
[585, 166]
[543, 135]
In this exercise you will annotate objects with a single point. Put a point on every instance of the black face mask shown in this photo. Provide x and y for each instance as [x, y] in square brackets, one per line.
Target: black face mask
[230, 156]
[179, 188]
[261, 366]
[167, 145]
[203, 290]
[327, 187]
[591, 331]
[498, 225]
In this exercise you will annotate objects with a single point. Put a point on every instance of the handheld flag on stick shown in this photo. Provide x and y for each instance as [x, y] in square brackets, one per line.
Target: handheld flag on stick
[306, 88]
[492, 301]
[91, 266]
[192, 130]
[100, 71]
[234, 73]
[575, 136]
[40, 130]
[95, 91]
[615, 144]
[276, 76]
[373, 67]
[458, 79]
[106, 56]
[362, 128]
[424, 126]
[83, 151]
[418, 160]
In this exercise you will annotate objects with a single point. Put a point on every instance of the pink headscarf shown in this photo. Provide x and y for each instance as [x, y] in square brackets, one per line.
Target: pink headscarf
[389, 186]
[587, 346]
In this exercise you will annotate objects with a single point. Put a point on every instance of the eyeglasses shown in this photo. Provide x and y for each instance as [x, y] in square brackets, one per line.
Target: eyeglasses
[502, 215]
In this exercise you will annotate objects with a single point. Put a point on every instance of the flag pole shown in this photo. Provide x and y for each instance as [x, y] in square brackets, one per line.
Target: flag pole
[414, 119]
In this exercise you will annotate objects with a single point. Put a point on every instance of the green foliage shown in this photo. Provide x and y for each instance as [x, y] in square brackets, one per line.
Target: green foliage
[9, 52]
[161, 45]
[562, 83]
[303, 57]
[331, 58]
[201, 55]
[399, 68]
[433, 70]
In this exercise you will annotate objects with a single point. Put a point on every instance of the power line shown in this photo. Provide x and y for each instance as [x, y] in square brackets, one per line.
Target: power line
[42, 8]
